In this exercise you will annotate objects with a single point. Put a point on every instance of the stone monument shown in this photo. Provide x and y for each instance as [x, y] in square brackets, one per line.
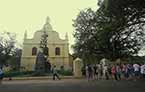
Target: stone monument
[40, 62]
[77, 66]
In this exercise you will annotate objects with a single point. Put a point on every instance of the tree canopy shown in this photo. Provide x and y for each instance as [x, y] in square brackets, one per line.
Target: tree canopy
[7, 47]
[115, 30]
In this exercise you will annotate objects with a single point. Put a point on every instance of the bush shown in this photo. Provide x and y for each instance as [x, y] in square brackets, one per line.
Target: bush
[33, 73]
[17, 73]
[40, 74]
[65, 72]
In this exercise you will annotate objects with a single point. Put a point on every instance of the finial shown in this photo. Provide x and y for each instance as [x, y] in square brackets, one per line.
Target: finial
[66, 36]
[47, 26]
[47, 20]
[25, 34]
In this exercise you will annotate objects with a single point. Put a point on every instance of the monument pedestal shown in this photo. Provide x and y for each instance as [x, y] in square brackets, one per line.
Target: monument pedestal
[77, 66]
[40, 63]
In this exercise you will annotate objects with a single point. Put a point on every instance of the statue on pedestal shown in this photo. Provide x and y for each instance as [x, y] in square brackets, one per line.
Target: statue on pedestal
[40, 62]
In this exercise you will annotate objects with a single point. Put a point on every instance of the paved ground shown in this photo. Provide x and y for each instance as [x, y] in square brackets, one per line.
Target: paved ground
[72, 85]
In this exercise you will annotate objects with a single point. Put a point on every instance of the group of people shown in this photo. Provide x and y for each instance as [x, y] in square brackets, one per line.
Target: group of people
[114, 71]
[106, 71]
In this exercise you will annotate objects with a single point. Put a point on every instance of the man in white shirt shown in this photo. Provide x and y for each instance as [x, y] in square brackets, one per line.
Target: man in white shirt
[136, 70]
[142, 71]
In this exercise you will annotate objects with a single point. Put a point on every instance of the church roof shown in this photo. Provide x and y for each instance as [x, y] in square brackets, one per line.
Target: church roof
[47, 26]
[52, 35]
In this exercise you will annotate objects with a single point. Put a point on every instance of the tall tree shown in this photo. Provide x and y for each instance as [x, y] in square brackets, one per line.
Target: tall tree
[118, 29]
[43, 43]
[7, 47]
[15, 59]
[85, 26]
[127, 25]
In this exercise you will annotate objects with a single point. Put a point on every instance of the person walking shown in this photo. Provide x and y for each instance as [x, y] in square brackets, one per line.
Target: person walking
[123, 68]
[144, 72]
[90, 72]
[1, 75]
[106, 72]
[109, 71]
[142, 69]
[126, 72]
[118, 72]
[102, 74]
[136, 71]
[130, 71]
[55, 73]
[95, 68]
[113, 70]
[99, 71]
[86, 69]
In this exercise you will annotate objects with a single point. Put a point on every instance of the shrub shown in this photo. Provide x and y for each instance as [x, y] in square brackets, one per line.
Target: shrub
[65, 72]
[33, 73]
[17, 73]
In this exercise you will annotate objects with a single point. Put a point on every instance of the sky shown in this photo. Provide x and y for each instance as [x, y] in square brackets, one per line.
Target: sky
[19, 15]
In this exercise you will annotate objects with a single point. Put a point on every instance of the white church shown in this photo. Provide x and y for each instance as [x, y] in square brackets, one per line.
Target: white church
[58, 49]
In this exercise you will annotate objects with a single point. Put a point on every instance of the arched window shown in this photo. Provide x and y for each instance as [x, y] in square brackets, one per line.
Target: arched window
[34, 51]
[46, 51]
[57, 51]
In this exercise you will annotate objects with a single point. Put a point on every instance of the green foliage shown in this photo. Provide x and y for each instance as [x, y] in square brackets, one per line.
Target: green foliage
[18, 73]
[43, 42]
[40, 74]
[85, 26]
[115, 30]
[14, 61]
[7, 48]
[65, 72]
[33, 73]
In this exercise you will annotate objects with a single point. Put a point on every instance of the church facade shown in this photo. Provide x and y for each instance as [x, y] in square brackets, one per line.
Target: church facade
[58, 49]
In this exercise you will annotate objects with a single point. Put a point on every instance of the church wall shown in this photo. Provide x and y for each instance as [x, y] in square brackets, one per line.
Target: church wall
[28, 63]
[27, 49]
[27, 60]
[58, 60]
[52, 50]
